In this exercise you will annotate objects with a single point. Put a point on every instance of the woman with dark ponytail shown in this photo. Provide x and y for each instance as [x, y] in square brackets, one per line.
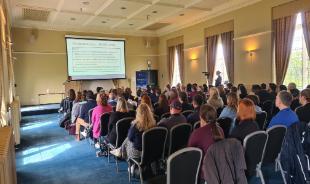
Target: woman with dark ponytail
[209, 132]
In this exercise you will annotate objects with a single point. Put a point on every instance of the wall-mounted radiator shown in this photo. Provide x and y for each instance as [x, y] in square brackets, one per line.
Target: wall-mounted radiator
[7, 156]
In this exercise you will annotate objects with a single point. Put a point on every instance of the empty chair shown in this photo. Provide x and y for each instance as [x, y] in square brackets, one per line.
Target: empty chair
[153, 146]
[165, 115]
[254, 145]
[183, 166]
[261, 119]
[178, 137]
[187, 112]
[225, 124]
[196, 125]
[122, 127]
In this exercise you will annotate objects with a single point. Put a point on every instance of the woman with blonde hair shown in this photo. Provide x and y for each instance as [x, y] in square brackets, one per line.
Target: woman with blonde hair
[214, 99]
[132, 146]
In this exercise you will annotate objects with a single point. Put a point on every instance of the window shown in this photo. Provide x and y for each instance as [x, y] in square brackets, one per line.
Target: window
[298, 70]
[220, 63]
[176, 72]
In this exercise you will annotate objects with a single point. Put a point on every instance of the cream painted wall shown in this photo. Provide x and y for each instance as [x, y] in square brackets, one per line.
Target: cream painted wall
[250, 20]
[41, 65]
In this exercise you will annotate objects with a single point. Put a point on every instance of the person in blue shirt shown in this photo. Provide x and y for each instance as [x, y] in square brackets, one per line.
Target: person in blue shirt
[285, 116]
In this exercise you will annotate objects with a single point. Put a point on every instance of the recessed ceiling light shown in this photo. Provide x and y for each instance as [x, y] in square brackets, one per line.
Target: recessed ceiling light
[131, 24]
[85, 3]
[123, 8]
[72, 18]
[154, 11]
[182, 14]
[103, 22]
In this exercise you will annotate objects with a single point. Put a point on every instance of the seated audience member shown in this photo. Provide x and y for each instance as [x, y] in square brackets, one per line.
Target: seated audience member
[291, 86]
[205, 88]
[71, 97]
[234, 89]
[184, 101]
[303, 112]
[128, 93]
[98, 89]
[246, 116]
[113, 97]
[295, 101]
[214, 99]
[162, 107]
[285, 116]
[255, 100]
[209, 132]
[192, 92]
[102, 107]
[272, 90]
[76, 107]
[147, 100]
[120, 113]
[228, 87]
[282, 88]
[176, 116]
[263, 94]
[132, 146]
[230, 111]
[242, 91]
[194, 117]
[222, 93]
[167, 90]
[83, 119]
[173, 95]
[256, 88]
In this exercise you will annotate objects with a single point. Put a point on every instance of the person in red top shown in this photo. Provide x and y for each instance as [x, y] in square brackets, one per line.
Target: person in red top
[102, 107]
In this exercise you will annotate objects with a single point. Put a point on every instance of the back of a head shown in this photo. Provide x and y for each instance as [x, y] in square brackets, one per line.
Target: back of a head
[146, 99]
[208, 115]
[282, 87]
[144, 117]
[232, 100]
[306, 94]
[254, 98]
[89, 95]
[229, 85]
[121, 105]
[246, 110]
[72, 94]
[243, 89]
[286, 98]
[163, 101]
[291, 86]
[214, 94]
[102, 99]
[198, 100]
[273, 87]
[263, 86]
[98, 89]
[234, 89]
[221, 90]
[256, 88]
[295, 92]
[78, 96]
[183, 97]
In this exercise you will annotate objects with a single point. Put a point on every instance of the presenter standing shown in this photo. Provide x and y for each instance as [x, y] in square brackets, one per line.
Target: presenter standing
[218, 80]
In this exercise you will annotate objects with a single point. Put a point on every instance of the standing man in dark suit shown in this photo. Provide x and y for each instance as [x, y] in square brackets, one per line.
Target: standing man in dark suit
[218, 80]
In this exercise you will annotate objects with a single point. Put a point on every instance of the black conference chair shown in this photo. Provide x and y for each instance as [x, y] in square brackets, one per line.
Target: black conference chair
[153, 147]
[187, 112]
[157, 118]
[261, 119]
[132, 113]
[178, 137]
[104, 123]
[183, 166]
[196, 125]
[122, 127]
[225, 124]
[165, 115]
[254, 146]
[90, 114]
[267, 106]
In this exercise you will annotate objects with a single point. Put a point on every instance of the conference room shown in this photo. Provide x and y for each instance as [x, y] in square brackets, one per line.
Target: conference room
[154, 91]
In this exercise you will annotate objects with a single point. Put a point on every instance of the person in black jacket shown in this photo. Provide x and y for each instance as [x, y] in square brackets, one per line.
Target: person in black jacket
[246, 116]
[194, 117]
[303, 112]
[120, 113]
[163, 106]
[184, 101]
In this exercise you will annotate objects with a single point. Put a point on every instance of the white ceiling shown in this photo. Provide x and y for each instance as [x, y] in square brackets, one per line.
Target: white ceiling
[133, 17]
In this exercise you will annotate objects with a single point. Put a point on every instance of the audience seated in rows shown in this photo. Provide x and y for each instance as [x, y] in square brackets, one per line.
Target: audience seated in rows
[132, 146]
[184, 100]
[246, 116]
[176, 116]
[83, 119]
[255, 100]
[162, 106]
[303, 112]
[285, 116]
[76, 107]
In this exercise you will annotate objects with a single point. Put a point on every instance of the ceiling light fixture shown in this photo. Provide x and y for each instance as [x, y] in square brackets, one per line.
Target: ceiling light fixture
[72, 18]
[154, 11]
[131, 24]
[182, 14]
[103, 22]
[85, 3]
[123, 8]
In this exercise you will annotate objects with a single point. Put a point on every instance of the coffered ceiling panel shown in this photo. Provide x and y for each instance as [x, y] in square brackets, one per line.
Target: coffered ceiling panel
[122, 8]
[82, 6]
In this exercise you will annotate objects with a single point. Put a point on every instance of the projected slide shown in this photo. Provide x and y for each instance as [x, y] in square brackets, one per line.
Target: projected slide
[90, 58]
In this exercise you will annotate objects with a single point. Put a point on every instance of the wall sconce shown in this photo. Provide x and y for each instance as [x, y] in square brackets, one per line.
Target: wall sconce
[251, 54]
[193, 59]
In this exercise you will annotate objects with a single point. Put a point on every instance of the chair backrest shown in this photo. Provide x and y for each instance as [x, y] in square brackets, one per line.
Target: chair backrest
[225, 124]
[122, 127]
[132, 113]
[183, 166]
[157, 118]
[104, 123]
[267, 106]
[187, 112]
[196, 125]
[276, 136]
[178, 137]
[261, 120]
[165, 115]
[153, 145]
[254, 145]
[219, 111]
[90, 113]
